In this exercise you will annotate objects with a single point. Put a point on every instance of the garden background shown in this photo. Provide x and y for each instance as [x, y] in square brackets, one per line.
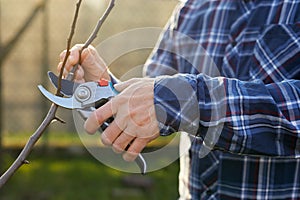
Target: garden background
[60, 167]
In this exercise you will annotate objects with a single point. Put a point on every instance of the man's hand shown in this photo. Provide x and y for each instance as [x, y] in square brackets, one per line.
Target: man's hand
[91, 68]
[135, 122]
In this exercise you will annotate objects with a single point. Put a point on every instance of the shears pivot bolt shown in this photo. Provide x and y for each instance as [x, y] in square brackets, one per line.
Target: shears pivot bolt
[82, 94]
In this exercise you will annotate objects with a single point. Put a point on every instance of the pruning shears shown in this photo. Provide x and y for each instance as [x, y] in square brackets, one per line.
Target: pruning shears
[86, 98]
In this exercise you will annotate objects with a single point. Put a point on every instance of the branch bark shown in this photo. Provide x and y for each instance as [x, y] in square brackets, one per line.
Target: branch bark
[69, 41]
[90, 39]
[21, 159]
[51, 116]
[7, 48]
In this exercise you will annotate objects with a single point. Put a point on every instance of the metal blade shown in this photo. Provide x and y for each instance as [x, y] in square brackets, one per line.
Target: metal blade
[67, 87]
[70, 103]
[140, 161]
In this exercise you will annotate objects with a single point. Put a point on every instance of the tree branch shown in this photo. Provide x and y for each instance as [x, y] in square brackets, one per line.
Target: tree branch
[99, 24]
[69, 40]
[51, 116]
[21, 159]
[91, 38]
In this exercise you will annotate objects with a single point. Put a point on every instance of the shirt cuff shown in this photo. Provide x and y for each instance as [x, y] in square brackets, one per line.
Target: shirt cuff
[176, 105]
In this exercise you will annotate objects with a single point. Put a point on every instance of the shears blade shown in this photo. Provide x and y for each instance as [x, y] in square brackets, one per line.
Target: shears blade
[67, 87]
[69, 103]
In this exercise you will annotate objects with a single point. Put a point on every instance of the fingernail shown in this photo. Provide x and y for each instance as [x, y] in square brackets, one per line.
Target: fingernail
[118, 86]
[129, 157]
[117, 150]
[105, 140]
[91, 125]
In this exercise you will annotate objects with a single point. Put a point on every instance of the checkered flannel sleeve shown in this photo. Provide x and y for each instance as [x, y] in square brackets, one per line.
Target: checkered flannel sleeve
[253, 117]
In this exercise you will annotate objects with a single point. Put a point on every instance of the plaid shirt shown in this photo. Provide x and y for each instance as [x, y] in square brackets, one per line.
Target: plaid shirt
[234, 84]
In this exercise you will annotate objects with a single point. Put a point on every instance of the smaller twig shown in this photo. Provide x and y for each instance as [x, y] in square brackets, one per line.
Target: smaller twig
[21, 159]
[92, 37]
[69, 40]
[26, 162]
[28, 147]
[99, 24]
[59, 120]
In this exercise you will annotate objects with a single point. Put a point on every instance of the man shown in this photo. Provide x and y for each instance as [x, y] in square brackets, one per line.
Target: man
[240, 61]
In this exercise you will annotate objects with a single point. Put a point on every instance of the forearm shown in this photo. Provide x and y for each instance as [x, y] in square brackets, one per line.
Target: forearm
[252, 118]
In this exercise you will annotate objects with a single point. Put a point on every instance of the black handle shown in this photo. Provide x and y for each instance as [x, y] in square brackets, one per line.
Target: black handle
[140, 160]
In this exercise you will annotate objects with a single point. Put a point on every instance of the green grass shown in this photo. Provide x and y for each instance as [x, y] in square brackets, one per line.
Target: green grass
[64, 139]
[59, 175]
[56, 139]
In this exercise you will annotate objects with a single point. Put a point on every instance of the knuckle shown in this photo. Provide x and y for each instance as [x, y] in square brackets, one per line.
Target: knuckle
[59, 66]
[62, 55]
[92, 48]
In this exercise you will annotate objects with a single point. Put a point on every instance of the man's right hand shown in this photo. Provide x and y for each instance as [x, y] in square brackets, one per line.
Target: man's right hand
[91, 68]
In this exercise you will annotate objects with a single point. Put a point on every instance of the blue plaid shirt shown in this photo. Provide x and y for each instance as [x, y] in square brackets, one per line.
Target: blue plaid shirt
[234, 83]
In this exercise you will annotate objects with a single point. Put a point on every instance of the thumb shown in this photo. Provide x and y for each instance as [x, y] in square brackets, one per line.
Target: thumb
[123, 85]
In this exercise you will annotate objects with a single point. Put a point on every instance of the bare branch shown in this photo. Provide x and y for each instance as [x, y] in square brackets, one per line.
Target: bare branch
[59, 120]
[69, 40]
[29, 146]
[99, 24]
[21, 159]
[92, 37]
[26, 162]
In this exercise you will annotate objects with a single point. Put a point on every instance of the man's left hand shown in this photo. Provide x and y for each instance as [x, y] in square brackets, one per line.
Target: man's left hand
[135, 122]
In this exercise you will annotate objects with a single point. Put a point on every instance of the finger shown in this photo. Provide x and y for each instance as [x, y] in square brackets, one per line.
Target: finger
[72, 58]
[73, 55]
[79, 75]
[123, 85]
[62, 55]
[111, 133]
[135, 148]
[120, 144]
[87, 51]
[98, 117]
[68, 65]
[76, 49]
[59, 66]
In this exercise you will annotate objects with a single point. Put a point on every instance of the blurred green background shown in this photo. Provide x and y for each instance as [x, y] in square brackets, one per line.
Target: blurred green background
[63, 174]
[60, 167]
